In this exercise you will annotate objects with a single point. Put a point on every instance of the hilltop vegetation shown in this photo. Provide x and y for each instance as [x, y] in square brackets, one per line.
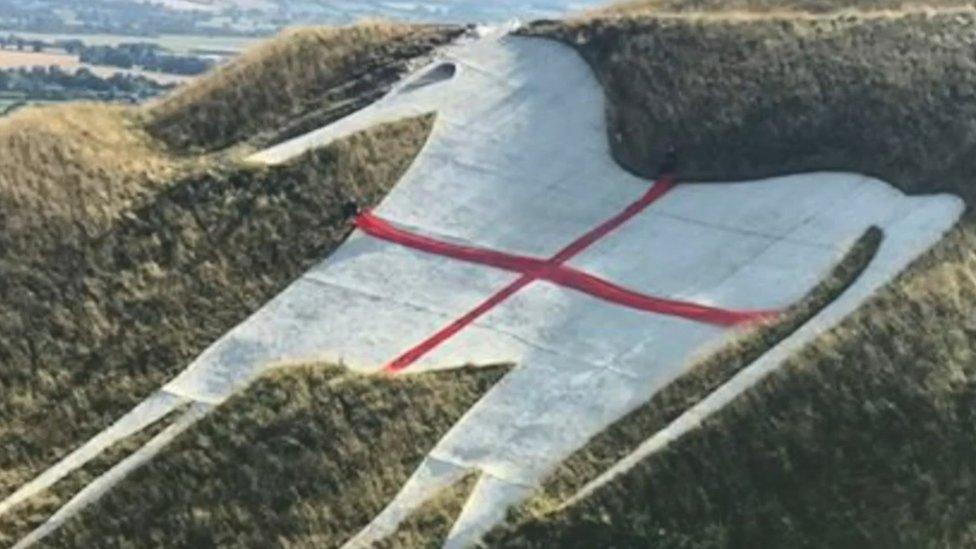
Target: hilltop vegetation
[285, 86]
[796, 7]
[890, 95]
[69, 171]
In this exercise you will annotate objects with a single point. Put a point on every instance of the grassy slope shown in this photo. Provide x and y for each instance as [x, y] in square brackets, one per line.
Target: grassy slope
[106, 324]
[866, 437]
[68, 171]
[631, 7]
[306, 457]
[891, 96]
[299, 82]
[121, 258]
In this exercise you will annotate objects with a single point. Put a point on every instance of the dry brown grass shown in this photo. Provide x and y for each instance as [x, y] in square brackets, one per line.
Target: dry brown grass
[71, 170]
[35, 511]
[303, 71]
[744, 99]
[430, 525]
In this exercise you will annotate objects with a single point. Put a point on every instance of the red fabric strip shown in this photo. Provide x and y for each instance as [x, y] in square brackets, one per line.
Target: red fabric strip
[405, 360]
[660, 188]
[552, 270]
[380, 228]
[608, 291]
[559, 274]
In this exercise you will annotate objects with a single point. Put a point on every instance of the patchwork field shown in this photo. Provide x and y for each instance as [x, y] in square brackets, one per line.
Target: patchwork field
[180, 44]
[10, 59]
[15, 59]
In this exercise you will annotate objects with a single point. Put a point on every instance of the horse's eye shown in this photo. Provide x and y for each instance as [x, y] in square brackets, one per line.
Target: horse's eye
[434, 75]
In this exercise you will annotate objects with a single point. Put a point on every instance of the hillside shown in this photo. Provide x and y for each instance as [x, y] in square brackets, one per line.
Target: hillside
[61, 170]
[118, 269]
[286, 86]
[125, 256]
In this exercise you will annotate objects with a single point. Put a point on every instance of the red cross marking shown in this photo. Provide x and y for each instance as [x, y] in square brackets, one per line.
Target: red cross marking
[551, 270]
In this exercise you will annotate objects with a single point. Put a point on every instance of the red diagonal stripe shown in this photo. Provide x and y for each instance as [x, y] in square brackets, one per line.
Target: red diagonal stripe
[608, 291]
[382, 229]
[558, 274]
[405, 360]
[660, 188]
[552, 270]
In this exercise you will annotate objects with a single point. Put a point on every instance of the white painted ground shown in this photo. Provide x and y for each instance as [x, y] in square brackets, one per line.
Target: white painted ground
[518, 161]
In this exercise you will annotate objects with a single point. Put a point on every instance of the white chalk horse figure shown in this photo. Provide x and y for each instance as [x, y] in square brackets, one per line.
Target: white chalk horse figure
[518, 161]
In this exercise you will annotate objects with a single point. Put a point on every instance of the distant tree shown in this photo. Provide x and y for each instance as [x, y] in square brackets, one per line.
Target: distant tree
[107, 55]
[73, 47]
